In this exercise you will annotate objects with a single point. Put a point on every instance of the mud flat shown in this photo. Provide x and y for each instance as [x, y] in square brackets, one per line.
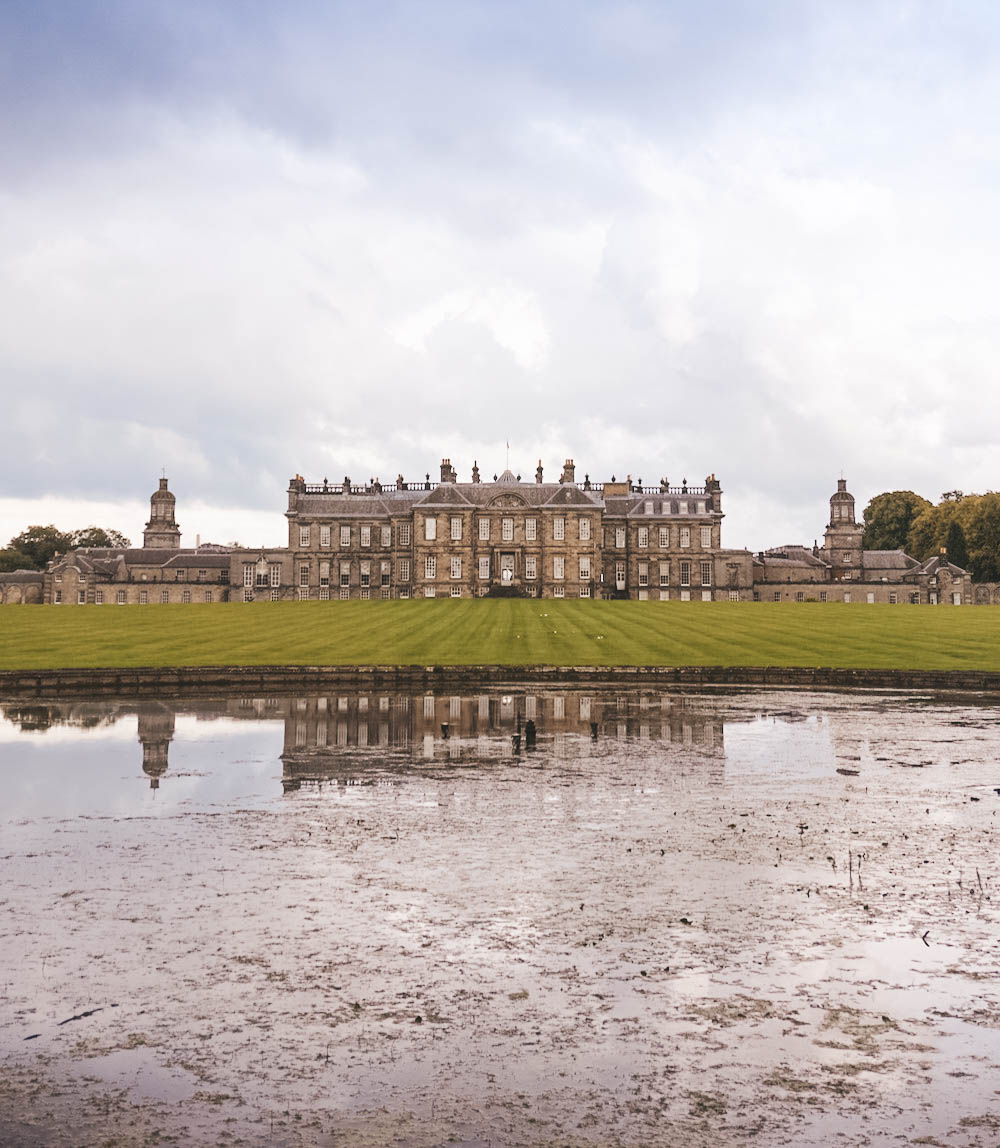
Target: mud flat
[373, 918]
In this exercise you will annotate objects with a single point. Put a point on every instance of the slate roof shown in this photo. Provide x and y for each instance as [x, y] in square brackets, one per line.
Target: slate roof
[447, 494]
[103, 560]
[200, 561]
[360, 505]
[887, 560]
[937, 563]
[784, 561]
[19, 577]
[795, 555]
[569, 494]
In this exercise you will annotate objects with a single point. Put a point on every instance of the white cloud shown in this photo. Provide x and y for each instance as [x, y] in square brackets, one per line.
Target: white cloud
[513, 317]
[763, 247]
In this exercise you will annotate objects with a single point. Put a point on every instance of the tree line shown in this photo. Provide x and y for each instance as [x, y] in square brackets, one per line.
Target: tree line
[965, 526]
[35, 547]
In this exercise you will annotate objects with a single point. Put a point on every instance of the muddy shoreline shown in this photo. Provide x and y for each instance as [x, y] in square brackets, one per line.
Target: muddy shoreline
[176, 681]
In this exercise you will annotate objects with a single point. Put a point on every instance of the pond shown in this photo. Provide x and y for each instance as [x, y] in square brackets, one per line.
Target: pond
[501, 917]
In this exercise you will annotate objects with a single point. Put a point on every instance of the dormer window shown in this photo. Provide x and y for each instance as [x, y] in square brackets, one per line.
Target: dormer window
[649, 507]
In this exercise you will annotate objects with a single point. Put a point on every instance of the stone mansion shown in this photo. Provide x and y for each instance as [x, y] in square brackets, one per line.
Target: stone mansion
[501, 538]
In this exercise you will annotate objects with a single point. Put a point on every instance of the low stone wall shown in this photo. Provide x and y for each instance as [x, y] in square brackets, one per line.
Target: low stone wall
[266, 680]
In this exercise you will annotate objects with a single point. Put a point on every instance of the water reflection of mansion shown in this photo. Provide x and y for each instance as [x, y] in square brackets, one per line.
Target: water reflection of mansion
[350, 738]
[324, 735]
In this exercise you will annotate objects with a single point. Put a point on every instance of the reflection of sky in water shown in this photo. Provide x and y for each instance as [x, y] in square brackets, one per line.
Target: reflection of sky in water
[69, 771]
[779, 747]
[122, 729]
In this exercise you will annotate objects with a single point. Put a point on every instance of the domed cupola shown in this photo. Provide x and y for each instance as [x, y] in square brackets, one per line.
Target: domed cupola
[156, 729]
[842, 505]
[162, 531]
[842, 538]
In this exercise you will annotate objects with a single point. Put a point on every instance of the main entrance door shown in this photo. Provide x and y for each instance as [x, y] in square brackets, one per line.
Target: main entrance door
[506, 569]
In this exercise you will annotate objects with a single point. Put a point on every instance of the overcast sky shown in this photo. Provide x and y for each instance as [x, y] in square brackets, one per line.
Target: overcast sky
[241, 240]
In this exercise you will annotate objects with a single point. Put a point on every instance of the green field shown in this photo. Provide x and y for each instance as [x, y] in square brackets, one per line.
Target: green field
[504, 632]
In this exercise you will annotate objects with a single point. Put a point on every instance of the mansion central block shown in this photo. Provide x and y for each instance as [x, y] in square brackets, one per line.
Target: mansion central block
[505, 537]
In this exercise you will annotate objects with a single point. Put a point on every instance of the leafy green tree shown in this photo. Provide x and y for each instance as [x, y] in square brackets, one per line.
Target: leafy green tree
[12, 559]
[98, 536]
[978, 518]
[888, 518]
[929, 530]
[39, 544]
[955, 545]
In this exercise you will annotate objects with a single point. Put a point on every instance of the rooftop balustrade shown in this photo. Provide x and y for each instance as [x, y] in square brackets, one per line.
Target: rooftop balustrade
[369, 488]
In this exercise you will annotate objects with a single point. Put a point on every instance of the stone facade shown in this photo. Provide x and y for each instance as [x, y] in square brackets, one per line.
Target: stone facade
[510, 537]
[986, 593]
[22, 588]
[505, 537]
[842, 571]
[98, 577]
[159, 572]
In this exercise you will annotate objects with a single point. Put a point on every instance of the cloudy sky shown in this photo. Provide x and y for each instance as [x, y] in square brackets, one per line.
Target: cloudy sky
[241, 240]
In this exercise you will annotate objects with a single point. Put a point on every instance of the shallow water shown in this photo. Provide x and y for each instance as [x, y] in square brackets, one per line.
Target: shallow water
[682, 918]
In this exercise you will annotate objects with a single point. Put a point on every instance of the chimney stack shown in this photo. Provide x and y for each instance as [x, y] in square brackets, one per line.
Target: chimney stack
[569, 471]
[448, 471]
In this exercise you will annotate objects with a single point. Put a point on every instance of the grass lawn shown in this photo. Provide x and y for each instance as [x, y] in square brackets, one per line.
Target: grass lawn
[502, 632]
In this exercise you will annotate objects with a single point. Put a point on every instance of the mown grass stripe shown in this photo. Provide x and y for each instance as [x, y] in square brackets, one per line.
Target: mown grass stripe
[506, 632]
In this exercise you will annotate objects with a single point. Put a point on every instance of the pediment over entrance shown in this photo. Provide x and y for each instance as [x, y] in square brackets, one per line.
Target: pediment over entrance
[507, 501]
